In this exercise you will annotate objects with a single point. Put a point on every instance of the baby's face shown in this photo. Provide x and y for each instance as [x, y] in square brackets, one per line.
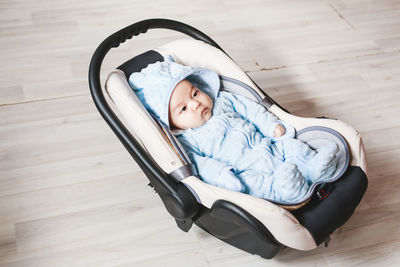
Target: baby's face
[189, 107]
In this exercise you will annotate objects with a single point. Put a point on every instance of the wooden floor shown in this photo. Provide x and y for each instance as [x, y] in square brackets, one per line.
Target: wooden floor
[70, 194]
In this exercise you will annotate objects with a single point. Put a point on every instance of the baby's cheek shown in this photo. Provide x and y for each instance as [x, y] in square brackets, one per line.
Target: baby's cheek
[172, 119]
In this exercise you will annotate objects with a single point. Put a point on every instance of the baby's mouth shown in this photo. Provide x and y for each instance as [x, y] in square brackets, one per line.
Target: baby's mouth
[204, 111]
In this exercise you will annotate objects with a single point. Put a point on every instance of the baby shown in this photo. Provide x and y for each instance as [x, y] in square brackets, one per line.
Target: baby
[233, 141]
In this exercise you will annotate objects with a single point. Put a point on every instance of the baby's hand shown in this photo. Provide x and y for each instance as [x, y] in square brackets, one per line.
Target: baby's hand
[279, 130]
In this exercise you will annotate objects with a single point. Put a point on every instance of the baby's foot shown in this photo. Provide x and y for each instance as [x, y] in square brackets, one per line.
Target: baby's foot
[324, 163]
[289, 184]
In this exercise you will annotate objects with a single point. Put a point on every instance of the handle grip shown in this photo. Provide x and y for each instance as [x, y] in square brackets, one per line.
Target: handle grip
[143, 26]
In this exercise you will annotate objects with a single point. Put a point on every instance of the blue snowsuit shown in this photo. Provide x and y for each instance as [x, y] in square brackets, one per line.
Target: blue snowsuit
[235, 149]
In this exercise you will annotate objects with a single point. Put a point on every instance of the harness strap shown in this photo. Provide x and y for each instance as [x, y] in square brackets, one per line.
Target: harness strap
[184, 172]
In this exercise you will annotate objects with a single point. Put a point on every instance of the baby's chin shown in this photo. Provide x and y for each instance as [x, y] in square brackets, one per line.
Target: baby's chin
[199, 123]
[201, 120]
[206, 116]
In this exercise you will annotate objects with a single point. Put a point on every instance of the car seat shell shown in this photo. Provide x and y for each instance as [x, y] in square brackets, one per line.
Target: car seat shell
[152, 149]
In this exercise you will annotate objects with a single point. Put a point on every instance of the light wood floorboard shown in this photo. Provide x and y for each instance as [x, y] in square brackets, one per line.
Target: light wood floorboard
[70, 194]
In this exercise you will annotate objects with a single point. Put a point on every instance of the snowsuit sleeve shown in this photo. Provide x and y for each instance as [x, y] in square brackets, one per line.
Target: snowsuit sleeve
[259, 116]
[213, 171]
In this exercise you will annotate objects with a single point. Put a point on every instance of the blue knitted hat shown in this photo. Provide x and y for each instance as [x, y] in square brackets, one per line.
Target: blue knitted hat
[154, 84]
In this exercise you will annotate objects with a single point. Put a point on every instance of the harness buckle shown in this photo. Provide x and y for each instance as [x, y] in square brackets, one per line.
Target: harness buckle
[324, 191]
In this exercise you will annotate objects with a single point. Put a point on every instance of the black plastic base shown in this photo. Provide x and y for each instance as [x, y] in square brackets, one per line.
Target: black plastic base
[323, 217]
[235, 226]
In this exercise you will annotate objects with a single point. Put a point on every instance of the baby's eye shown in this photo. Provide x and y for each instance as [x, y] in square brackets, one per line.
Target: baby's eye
[196, 93]
[183, 109]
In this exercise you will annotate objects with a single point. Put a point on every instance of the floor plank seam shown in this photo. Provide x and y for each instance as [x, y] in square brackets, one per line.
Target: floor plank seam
[41, 100]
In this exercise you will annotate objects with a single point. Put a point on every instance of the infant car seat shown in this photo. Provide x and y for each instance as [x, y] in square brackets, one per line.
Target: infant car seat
[255, 225]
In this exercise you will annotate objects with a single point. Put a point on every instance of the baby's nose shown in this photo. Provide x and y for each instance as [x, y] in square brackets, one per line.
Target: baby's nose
[194, 104]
